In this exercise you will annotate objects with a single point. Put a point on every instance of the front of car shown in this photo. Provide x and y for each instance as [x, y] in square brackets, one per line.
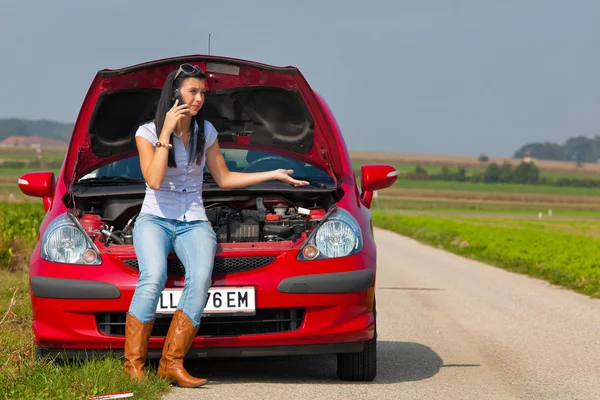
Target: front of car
[295, 266]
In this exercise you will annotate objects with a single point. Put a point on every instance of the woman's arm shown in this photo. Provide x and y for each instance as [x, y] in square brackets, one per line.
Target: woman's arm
[227, 179]
[153, 162]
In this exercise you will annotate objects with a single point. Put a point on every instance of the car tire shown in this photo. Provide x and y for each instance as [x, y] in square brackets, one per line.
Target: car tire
[362, 366]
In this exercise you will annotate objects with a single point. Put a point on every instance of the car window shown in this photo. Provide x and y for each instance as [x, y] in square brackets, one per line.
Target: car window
[237, 160]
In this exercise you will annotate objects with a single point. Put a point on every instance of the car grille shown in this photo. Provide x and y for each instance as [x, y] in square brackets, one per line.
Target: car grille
[266, 320]
[222, 266]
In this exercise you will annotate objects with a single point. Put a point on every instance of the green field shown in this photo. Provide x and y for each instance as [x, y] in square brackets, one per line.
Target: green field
[383, 204]
[565, 253]
[29, 156]
[495, 187]
[18, 172]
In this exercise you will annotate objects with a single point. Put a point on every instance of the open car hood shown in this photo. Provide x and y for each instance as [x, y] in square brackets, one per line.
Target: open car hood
[252, 106]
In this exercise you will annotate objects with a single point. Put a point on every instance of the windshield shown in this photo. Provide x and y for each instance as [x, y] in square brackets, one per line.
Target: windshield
[237, 160]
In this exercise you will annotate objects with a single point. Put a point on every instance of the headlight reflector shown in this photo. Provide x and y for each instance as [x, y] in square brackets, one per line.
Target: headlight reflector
[64, 241]
[338, 235]
[335, 239]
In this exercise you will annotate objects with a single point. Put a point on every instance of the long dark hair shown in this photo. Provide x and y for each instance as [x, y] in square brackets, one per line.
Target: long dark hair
[197, 141]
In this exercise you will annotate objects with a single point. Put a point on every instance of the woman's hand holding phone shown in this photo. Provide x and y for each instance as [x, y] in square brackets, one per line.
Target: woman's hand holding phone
[173, 116]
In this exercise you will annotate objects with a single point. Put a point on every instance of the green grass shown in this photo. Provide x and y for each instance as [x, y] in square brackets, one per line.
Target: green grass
[31, 156]
[565, 253]
[76, 380]
[18, 172]
[495, 188]
[22, 376]
[382, 204]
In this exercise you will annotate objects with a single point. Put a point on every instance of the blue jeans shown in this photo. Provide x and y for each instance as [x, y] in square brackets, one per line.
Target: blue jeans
[195, 243]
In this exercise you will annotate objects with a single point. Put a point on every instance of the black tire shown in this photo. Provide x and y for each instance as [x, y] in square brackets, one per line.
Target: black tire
[360, 367]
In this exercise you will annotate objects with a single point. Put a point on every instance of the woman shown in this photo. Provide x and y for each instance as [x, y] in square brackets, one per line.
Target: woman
[173, 150]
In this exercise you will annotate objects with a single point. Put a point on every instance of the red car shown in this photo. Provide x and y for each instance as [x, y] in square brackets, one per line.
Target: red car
[295, 267]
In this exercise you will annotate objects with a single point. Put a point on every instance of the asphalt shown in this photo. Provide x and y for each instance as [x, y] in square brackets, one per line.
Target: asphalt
[449, 328]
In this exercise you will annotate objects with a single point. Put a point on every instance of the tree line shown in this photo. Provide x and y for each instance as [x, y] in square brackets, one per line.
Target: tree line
[524, 173]
[44, 128]
[579, 149]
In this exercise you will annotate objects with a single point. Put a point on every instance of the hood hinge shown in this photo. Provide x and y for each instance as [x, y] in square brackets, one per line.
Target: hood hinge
[325, 157]
[78, 159]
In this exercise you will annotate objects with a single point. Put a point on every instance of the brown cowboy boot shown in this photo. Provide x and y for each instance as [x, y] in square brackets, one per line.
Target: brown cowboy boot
[137, 335]
[177, 343]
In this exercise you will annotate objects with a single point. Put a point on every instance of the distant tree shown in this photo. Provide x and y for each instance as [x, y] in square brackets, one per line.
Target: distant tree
[492, 173]
[483, 158]
[526, 173]
[44, 128]
[420, 170]
[446, 174]
[461, 174]
[580, 149]
[542, 151]
[506, 172]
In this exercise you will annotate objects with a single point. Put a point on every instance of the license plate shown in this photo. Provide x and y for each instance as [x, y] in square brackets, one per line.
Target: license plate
[221, 300]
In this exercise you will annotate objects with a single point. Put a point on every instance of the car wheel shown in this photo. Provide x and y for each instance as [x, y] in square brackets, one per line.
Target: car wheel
[360, 366]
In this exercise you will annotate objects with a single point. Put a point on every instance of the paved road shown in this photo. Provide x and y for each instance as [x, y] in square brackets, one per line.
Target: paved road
[449, 328]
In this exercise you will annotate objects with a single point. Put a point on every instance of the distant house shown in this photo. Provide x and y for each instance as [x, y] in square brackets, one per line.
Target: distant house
[529, 156]
[31, 141]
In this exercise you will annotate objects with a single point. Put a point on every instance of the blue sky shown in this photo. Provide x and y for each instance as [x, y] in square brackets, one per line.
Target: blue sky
[429, 76]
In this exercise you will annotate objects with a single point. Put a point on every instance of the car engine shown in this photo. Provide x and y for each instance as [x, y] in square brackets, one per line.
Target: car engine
[259, 220]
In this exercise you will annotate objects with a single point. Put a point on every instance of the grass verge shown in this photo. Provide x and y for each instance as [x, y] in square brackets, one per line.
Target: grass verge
[565, 253]
[496, 187]
[22, 376]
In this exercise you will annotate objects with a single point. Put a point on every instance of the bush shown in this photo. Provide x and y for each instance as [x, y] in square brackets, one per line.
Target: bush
[492, 173]
[13, 164]
[526, 173]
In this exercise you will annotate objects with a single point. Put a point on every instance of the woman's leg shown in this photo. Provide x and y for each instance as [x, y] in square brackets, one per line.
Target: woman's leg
[152, 243]
[195, 244]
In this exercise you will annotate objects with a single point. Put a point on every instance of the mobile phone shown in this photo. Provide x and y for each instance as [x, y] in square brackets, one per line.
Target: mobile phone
[177, 96]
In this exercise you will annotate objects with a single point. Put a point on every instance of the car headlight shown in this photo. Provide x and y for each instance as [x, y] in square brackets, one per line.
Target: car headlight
[66, 242]
[338, 235]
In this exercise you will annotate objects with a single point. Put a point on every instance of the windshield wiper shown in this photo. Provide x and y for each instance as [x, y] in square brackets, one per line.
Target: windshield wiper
[110, 179]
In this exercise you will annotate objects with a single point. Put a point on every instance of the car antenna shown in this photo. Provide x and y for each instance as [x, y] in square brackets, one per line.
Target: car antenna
[209, 44]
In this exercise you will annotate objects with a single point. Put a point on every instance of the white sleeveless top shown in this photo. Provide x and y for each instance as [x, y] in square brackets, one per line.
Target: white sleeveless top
[180, 195]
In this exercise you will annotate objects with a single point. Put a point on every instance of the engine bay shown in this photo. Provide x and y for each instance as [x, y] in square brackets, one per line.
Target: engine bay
[235, 219]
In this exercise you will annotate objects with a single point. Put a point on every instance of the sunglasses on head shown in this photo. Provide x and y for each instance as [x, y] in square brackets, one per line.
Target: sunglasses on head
[189, 70]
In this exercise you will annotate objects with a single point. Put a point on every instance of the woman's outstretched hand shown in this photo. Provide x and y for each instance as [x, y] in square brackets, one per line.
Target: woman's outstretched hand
[284, 176]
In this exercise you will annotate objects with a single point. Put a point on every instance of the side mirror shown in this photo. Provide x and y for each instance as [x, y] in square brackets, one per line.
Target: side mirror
[39, 184]
[375, 177]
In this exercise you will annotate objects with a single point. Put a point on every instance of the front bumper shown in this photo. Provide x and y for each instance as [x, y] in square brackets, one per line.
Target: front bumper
[335, 297]
[231, 352]
[337, 282]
